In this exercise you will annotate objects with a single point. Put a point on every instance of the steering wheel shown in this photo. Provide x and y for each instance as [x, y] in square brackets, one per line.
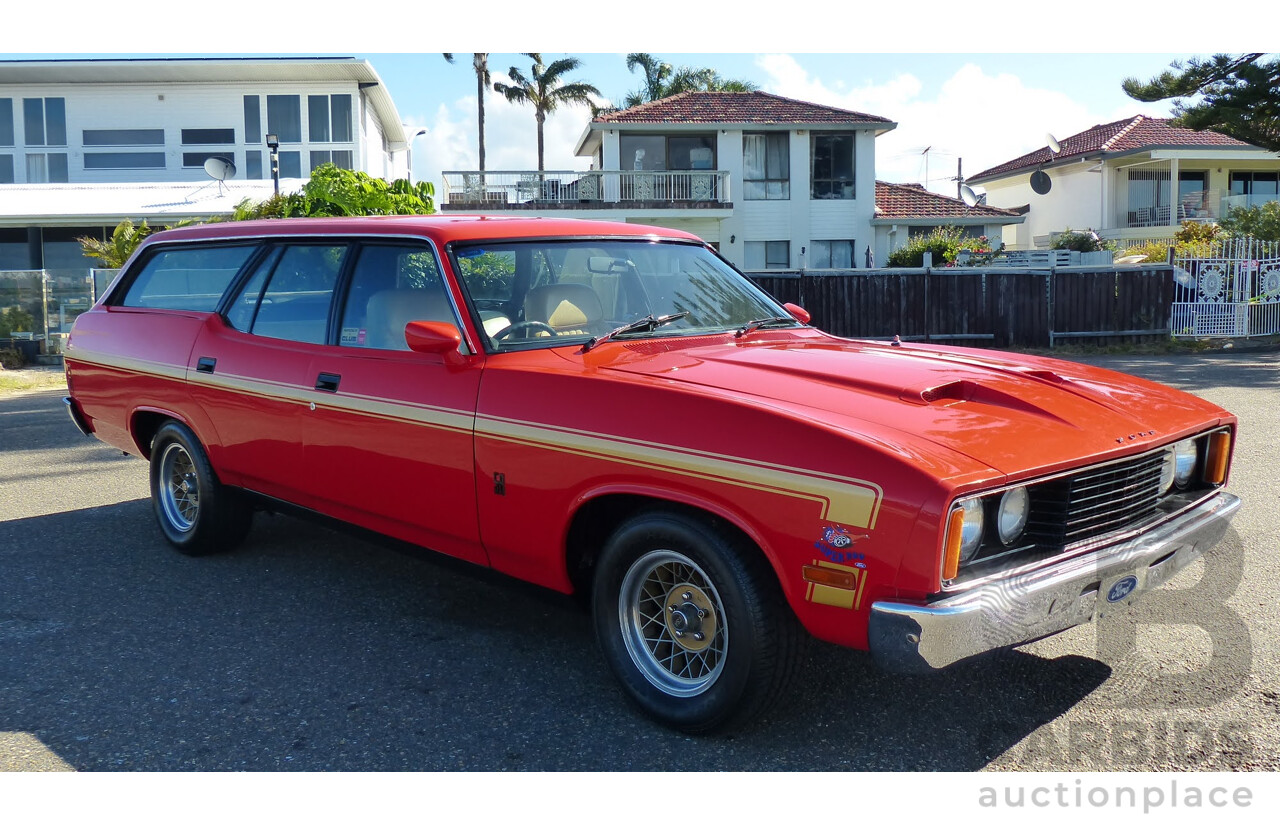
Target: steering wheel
[524, 326]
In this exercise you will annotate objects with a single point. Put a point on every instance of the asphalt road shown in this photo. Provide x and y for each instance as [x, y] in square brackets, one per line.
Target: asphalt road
[308, 650]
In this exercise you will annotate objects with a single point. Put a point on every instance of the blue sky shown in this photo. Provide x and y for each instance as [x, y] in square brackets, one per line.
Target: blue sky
[965, 86]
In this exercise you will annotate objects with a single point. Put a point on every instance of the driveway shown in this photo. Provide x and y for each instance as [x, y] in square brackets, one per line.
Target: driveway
[310, 650]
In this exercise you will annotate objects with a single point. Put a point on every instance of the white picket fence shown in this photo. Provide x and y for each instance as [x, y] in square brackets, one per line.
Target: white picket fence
[1232, 293]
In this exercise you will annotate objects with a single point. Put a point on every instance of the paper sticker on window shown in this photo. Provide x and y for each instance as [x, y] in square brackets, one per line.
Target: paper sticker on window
[352, 336]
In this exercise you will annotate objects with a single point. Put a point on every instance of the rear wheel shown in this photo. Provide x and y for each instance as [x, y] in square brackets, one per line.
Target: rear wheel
[195, 512]
[692, 622]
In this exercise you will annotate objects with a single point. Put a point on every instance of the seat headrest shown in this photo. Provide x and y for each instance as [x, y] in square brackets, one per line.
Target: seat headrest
[391, 309]
[563, 306]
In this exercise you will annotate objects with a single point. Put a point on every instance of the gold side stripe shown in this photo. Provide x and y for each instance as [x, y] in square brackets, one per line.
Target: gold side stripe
[845, 500]
[138, 366]
[851, 501]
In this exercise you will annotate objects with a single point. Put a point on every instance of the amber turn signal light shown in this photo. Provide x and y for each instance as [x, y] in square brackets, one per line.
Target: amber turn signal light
[951, 554]
[1215, 465]
[842, 579]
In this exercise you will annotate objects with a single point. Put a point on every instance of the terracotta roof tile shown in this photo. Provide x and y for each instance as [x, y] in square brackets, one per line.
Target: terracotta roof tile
[911, 200]
[736, 107]
[1133, 134]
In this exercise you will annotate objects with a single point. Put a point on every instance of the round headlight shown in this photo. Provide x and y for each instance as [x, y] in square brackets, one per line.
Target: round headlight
[1011, 517]
[971, 531]
[1184, 462]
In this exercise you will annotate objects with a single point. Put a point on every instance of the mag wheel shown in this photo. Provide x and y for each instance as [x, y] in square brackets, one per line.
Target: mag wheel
[692, 622]
[195, 512]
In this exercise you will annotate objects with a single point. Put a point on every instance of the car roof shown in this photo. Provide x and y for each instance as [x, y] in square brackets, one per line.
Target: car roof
[439, 228]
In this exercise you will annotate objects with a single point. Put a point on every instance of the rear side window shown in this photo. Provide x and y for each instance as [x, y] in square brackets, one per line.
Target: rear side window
[294, 305]
[190, 277]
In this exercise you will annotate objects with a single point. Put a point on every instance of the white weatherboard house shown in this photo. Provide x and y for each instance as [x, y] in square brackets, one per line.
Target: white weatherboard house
[771, 182]
[85, 144]
[1130, 181]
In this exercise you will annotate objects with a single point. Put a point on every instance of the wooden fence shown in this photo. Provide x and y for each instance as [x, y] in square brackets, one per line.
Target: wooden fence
[998, 306]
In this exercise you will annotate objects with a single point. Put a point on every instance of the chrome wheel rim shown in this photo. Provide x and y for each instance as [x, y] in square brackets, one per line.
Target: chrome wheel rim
[673, 623]
[179, 488]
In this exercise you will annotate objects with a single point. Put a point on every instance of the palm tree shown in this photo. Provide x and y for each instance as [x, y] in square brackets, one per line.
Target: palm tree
[663, 80]
[481, 63]
[545, 90]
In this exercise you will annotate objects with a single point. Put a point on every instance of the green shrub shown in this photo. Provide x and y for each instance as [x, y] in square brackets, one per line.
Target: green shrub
[1261, 222]
[11, 359]
[1081, 242]
[945, 243]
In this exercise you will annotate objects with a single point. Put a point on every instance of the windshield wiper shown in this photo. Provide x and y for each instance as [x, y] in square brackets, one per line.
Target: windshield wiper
[760, 323]
[646, 324]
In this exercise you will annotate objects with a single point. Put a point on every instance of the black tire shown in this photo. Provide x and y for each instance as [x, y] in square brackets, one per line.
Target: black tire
[196, 513]
[664, 575]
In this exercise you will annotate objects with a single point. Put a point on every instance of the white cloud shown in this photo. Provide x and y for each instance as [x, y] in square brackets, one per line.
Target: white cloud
[982, 119]
[511, 138]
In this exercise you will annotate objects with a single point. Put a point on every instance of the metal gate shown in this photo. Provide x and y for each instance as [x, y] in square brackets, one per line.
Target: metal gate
[1234, 292]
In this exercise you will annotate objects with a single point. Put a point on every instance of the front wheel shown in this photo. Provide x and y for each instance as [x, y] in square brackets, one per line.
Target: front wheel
[692, 622]
[195, 512]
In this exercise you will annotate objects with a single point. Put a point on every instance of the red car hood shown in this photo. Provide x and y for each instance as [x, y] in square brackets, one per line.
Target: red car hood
[1019, 415]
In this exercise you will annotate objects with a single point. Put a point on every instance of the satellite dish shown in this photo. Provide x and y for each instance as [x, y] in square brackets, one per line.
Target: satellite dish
[219, 169]
[1040, 183]
[1054, 146]
[970, 197]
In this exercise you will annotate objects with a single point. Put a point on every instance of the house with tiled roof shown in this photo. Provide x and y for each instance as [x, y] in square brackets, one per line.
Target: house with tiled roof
[771, 181]
[1130, 181]
[908, 210]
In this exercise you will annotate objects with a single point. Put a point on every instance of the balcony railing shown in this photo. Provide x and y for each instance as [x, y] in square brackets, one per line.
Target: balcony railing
[558, 189]
[1203, 206]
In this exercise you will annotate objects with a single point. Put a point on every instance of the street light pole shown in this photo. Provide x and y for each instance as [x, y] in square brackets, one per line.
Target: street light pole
[408, 175]
[273, 143]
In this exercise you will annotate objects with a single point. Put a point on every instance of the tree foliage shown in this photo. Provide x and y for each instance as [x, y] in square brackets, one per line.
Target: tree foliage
[661, 80]
[113, 252]
[332, 192]
[545, 90]
[16, 319]
[1238, 95]
[1261, 221]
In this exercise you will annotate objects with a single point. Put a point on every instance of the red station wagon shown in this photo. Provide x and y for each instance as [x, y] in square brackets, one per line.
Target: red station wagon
[614, 410]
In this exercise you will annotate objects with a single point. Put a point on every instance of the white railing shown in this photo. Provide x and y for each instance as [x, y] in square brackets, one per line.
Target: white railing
[500, 190]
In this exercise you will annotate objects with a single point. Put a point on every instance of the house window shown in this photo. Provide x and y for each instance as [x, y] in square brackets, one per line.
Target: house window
[6, 168]
[832, 165]
[253, 165]
[290, 164]
[284, 117]
[768, 254]
[667, 152]
[215, 137]
[766, 166]
[124, 160]
[6, 121]
[340, 159]
[252, 120]
[1260, 185]
[45, 121]
[831, 254]
[122, 137]
[47, 168]
[329, 118]
[1193, 195]
[195, 160]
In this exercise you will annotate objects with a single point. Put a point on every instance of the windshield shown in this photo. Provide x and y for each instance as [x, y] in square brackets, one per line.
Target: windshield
[531, 294]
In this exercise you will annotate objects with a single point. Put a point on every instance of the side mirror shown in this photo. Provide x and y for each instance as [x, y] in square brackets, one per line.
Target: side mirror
[433, 337]
[798, 312]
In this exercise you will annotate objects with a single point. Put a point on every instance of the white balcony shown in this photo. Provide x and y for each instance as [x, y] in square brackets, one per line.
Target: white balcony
[523, 190]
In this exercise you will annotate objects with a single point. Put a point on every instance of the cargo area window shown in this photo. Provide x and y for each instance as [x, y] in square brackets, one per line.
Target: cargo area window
[190, 278]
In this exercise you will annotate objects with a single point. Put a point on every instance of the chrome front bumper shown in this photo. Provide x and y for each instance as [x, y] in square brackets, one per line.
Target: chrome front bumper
[1041, 602]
